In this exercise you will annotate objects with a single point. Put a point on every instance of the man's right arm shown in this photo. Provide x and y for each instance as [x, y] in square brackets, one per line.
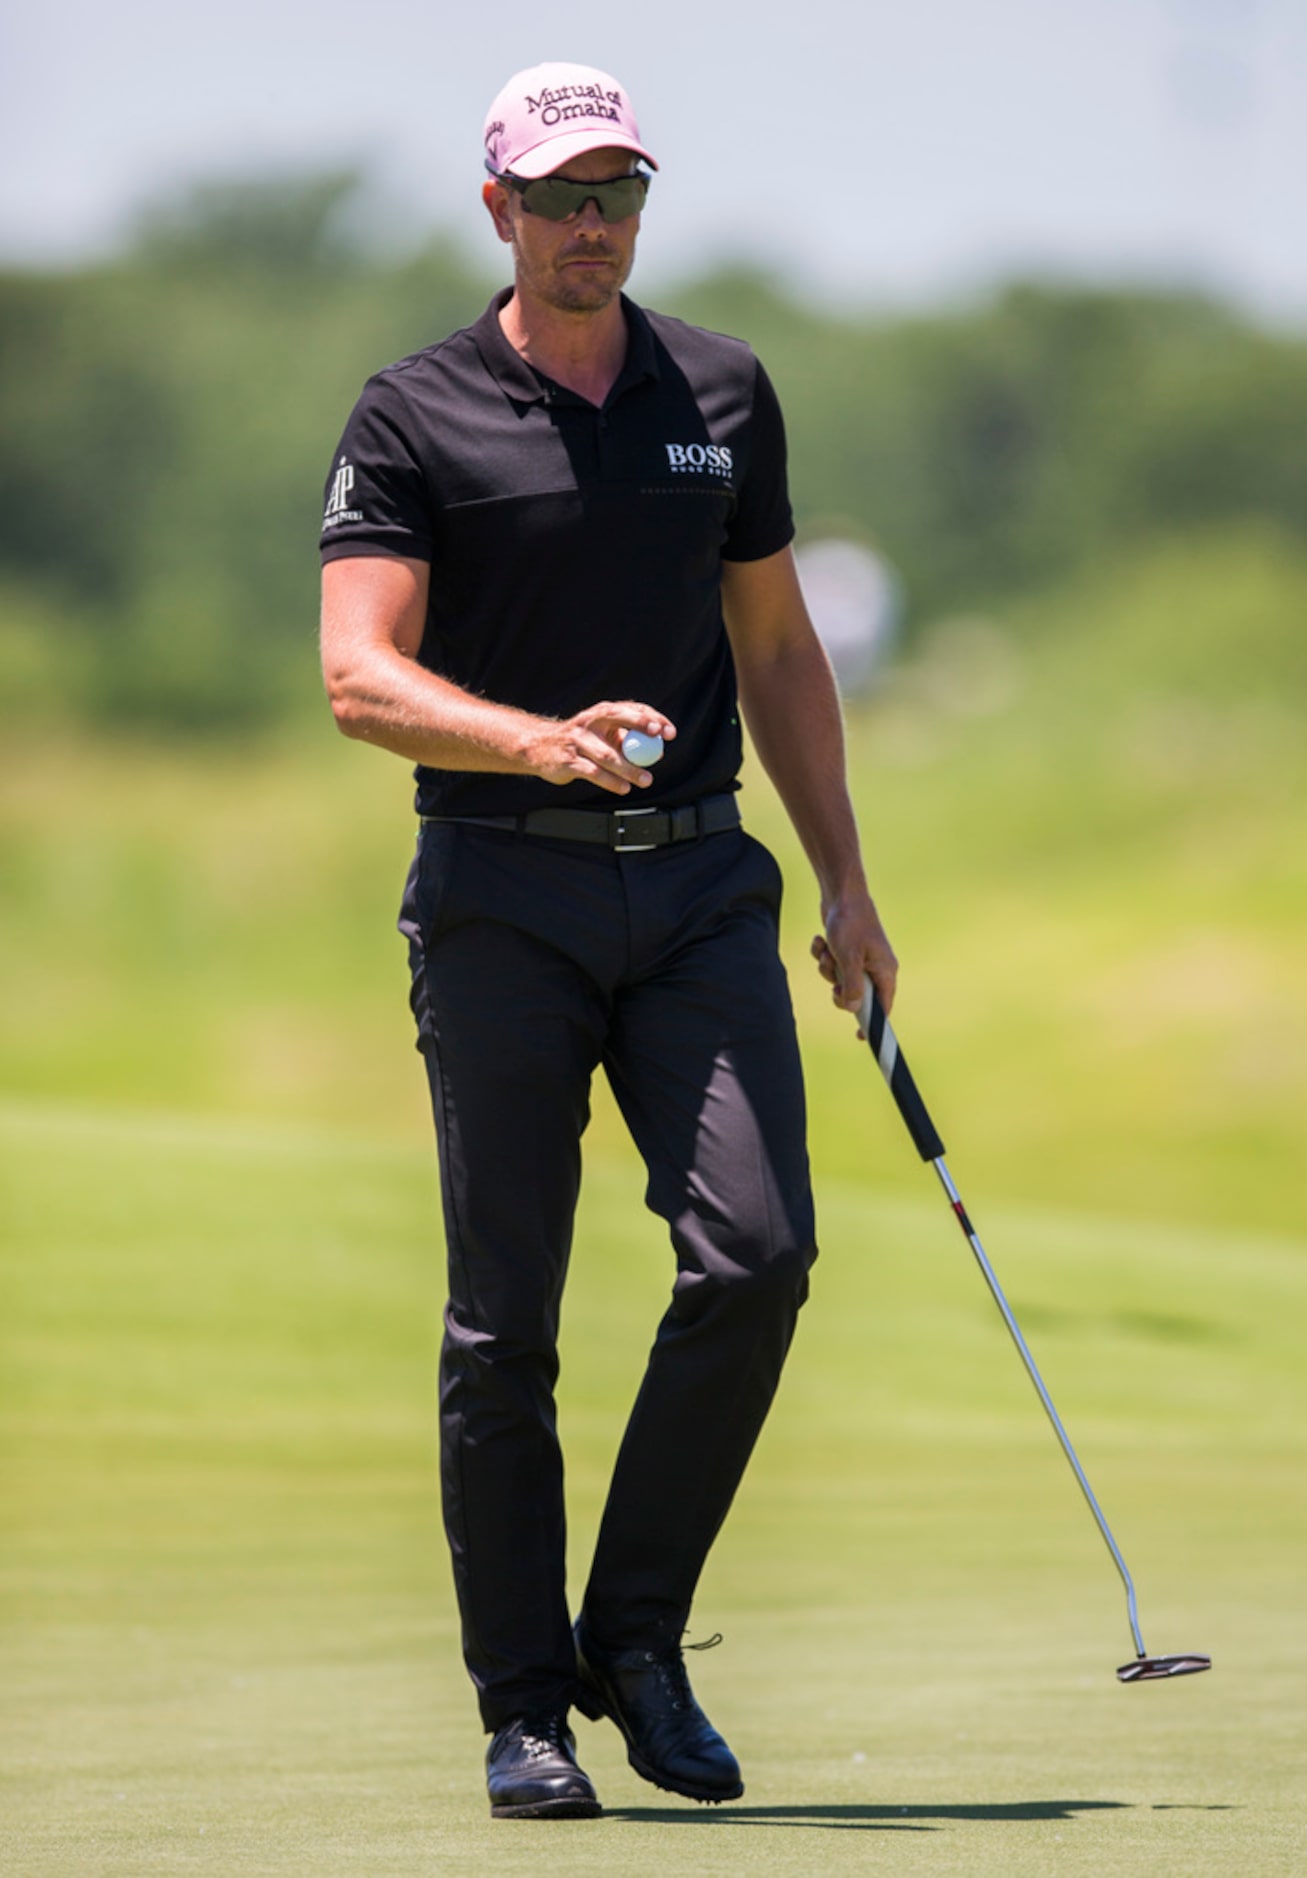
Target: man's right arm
[373, 613]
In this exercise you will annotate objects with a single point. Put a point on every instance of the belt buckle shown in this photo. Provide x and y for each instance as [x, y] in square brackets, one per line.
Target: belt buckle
[621, 846]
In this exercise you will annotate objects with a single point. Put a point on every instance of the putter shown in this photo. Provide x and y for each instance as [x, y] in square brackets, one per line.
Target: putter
[885, 1048]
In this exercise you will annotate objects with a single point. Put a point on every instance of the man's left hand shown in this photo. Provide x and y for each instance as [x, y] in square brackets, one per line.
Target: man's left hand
[855, 943]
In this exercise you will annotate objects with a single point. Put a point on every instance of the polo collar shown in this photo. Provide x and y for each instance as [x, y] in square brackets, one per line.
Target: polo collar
[525, 385]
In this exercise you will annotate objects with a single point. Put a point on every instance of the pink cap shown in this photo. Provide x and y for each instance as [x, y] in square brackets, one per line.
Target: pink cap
[549, 114]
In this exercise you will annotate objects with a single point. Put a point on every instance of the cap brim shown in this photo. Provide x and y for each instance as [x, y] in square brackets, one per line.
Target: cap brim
[555, 151]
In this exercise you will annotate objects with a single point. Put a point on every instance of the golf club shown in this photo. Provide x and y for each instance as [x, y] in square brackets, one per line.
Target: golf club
[885, 1048]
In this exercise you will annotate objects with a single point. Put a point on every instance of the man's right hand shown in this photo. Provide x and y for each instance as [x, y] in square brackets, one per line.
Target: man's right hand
[374, 610]
[588, 746]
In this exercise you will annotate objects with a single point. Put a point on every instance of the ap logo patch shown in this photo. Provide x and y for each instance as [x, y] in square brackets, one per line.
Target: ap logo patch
[342, 487]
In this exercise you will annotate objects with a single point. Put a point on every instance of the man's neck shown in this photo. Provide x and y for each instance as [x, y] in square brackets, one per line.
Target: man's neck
[584, 351]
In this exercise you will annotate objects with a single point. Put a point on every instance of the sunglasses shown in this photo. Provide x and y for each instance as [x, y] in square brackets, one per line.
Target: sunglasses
[558, 200]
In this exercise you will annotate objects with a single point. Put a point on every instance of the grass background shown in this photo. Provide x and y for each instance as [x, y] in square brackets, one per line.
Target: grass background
[229, 1643]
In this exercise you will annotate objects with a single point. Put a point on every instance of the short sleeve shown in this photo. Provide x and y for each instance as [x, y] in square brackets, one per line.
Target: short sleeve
[376, 498]
[763, 522]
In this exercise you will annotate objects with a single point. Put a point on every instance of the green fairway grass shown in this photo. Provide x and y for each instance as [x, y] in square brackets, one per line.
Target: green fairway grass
[229, 1638]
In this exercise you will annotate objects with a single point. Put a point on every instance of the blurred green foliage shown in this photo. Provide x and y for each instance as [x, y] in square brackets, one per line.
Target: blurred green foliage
[170, 418]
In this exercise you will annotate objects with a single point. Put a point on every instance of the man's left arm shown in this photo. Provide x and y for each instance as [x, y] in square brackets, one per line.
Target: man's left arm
[792, 708]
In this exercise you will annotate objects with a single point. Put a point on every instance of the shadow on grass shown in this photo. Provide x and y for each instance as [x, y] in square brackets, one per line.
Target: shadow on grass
[864, 1818]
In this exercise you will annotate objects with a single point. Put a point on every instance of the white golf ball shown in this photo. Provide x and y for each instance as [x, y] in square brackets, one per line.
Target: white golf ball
[641, 749]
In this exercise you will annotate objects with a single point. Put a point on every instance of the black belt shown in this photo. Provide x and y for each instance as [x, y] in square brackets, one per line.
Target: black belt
[625, 831]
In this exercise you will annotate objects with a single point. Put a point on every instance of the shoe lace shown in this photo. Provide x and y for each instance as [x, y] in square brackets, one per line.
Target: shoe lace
[670, 1665]
[709, 1643]
[542, 1734]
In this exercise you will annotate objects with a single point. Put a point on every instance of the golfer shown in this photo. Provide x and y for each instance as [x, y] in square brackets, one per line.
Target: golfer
[564, 524]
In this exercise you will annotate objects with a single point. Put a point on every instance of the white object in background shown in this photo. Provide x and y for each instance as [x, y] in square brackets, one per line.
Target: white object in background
[854, 599]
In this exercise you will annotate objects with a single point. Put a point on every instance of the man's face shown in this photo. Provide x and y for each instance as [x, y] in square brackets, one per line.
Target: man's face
[577, 266]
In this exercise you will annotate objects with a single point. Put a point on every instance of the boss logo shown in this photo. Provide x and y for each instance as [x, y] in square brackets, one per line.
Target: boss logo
[712, 459]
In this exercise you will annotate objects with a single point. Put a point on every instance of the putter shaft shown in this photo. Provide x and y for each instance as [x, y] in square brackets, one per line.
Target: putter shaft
[1014, 1330]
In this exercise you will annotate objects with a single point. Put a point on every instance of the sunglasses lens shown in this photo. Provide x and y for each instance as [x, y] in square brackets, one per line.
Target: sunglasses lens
[624, 197]
[556, 199]
[551, 198]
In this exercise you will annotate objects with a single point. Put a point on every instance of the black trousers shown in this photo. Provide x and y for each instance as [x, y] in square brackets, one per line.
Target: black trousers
[533, 962]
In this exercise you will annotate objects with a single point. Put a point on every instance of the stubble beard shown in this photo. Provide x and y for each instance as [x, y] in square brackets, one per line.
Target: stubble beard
[575, 290]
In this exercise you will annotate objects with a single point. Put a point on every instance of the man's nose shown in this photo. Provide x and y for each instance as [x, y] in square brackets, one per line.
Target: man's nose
[588, 219]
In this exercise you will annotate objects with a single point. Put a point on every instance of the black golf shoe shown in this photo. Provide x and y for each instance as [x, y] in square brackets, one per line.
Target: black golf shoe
[531, 1772]
[669, 1739]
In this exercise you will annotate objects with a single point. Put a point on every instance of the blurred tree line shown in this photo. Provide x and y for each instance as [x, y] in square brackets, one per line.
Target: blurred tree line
[169, 419]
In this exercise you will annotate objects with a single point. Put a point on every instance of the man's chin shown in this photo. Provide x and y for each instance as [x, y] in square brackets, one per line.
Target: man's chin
[589, 294]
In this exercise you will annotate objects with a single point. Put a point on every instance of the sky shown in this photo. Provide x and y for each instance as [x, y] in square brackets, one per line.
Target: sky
[869, 154]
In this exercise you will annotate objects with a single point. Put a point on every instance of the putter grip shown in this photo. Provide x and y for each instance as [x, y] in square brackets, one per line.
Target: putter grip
[885, 1049]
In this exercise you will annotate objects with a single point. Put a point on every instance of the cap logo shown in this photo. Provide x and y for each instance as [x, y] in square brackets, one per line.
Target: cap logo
[556, 105]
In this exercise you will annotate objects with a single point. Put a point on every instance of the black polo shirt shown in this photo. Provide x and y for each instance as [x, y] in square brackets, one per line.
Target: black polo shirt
[575, 551]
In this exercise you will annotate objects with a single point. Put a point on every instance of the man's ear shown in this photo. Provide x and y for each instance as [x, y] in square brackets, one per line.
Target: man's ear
[495, 197]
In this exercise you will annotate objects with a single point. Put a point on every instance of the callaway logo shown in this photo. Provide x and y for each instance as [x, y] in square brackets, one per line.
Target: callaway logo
[557, 103]
[338, 509]
[712, 459]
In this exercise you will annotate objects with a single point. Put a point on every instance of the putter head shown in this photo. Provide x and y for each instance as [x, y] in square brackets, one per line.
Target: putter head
[1153, 1668]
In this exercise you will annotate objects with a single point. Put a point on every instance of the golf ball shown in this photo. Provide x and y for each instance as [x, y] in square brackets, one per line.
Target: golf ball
[641, 749]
